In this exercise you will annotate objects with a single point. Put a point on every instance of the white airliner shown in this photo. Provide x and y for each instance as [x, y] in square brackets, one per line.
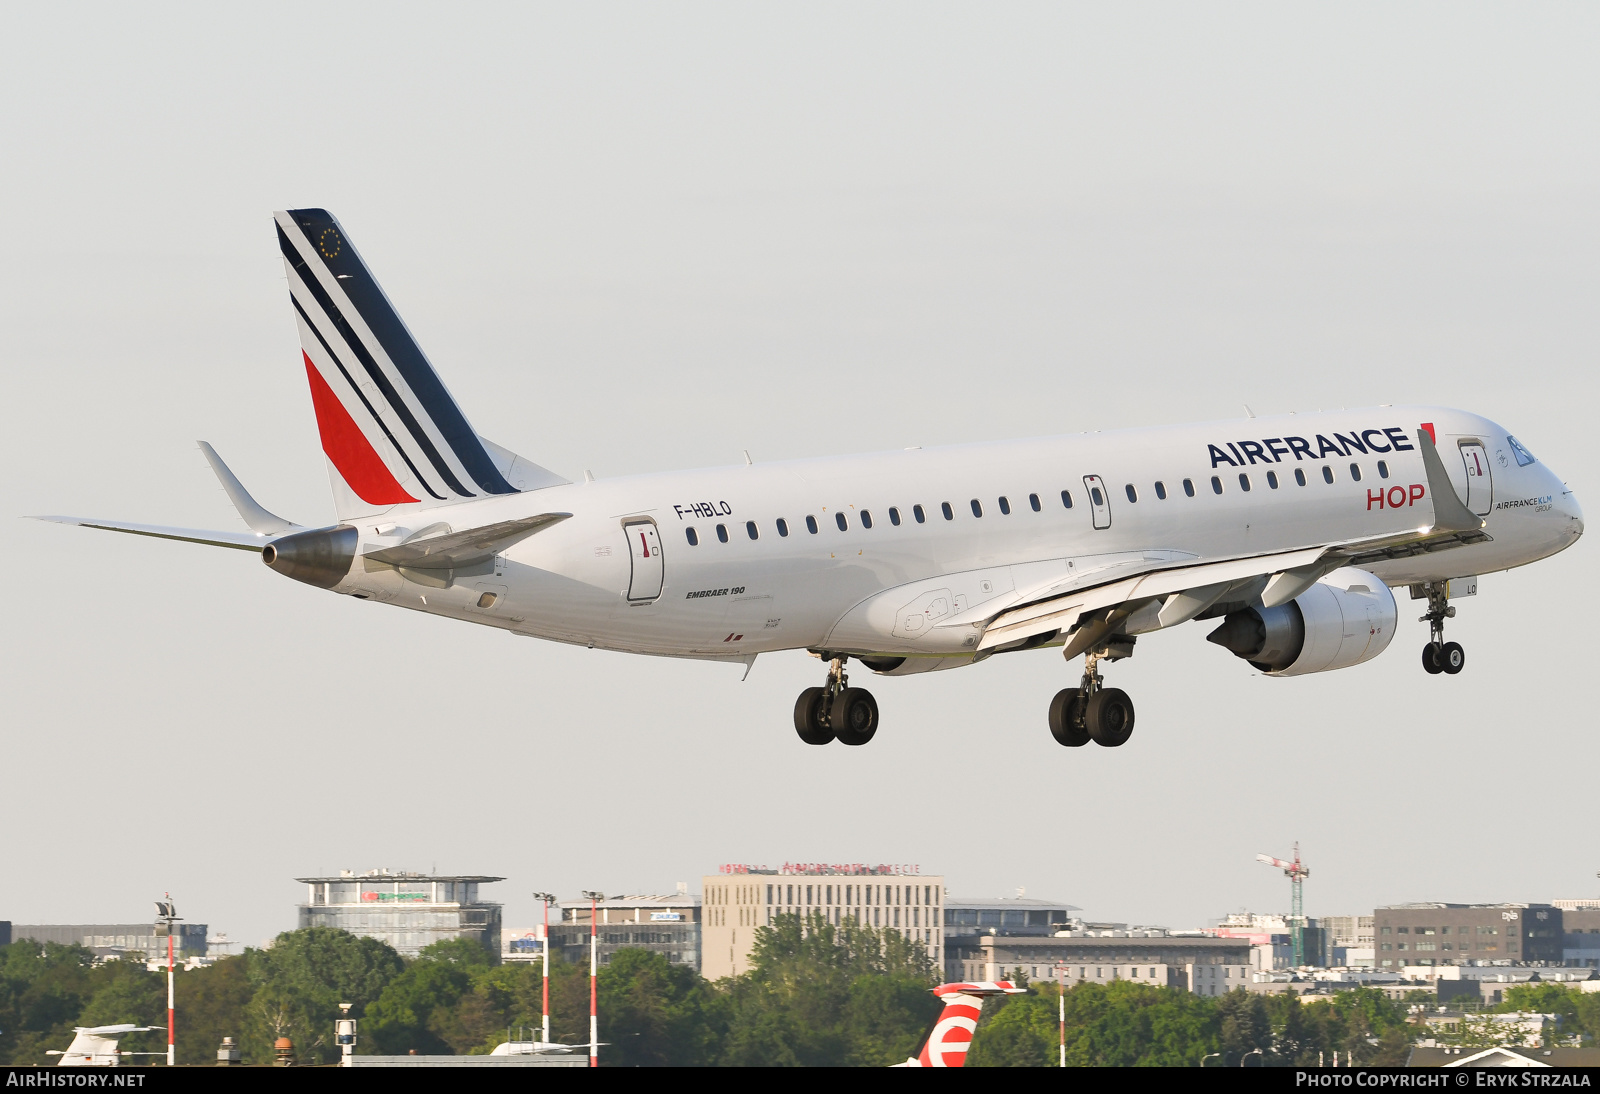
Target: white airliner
[1290, 530]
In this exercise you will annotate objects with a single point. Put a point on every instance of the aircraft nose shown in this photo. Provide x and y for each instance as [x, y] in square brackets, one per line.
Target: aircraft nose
[1568, 504]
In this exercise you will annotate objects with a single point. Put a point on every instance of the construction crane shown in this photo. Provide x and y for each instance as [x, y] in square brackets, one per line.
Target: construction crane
[1297, 874]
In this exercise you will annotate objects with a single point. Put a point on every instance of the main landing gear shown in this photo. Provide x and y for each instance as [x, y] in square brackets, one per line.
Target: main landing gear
[1092, 711]
[836, 711]
[1438, 655]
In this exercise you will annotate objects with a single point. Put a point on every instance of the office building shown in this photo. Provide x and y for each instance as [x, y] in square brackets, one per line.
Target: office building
[1460, 934]
[742, 898]
[115, 940]
[409, 911]
[668, 925]
[1201, 963]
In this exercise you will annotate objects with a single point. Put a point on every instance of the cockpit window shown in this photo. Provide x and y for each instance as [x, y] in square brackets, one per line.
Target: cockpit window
[1524, 457]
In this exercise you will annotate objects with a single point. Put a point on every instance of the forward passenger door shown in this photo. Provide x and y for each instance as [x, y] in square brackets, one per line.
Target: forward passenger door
[1480, 484]
[644, 549]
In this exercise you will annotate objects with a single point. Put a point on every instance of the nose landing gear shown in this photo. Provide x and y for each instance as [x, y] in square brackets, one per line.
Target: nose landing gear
[836, 711]
[1438, 655]
[1092, 711]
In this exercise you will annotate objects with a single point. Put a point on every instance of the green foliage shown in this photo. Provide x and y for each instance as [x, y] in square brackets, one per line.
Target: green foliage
[43, 989]
[820, 995]
[417, 1010]
[213, 1002]
[656, 1014]
[299, 984]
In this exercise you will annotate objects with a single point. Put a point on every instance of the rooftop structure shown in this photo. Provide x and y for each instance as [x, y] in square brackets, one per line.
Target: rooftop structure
[1435, 933]
[407, 910]
[1018, 915]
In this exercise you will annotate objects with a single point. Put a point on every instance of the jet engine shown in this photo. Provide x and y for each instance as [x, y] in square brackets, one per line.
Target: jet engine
[1344, 619]
[321, 557]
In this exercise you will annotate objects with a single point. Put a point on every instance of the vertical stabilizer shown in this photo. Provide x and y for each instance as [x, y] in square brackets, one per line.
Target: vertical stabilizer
[390, 429]
[951, 1035]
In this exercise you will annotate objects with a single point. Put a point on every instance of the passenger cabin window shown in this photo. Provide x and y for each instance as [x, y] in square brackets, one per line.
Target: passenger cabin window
[1033, 500]
[1005, 506]
[916, 511]
[811, 525]
[783, 527]
[751, 530]
[1327, 473]
[1299, 476]
[1095, 496]
[1244, 482]
[1133, 495]
[866, 519]
[1188, 487]
[1383, 469]
[1216, 485]
[1272, 479]
[1355, 472]
[722, 532]
[1066, 499]
[693, 537]
[844, 525]
[949, 514]
[894, 516]
[1161, 490]
[977, 508]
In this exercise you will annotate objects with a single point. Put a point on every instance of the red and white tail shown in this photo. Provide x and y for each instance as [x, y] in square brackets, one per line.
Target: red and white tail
[951, 1035]
[391, 431]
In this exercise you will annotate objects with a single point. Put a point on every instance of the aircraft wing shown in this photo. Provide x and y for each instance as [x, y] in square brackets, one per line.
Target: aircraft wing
[241, 541]
[444, 549]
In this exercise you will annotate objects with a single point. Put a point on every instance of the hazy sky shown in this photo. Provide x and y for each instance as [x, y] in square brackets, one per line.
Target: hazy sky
[646, 237]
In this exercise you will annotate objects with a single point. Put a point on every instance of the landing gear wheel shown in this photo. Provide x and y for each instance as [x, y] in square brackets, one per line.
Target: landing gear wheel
[1066, 718]
[854, 716]
[808, 718]
[1109, 717]
[1452, 658]
[1432, 661]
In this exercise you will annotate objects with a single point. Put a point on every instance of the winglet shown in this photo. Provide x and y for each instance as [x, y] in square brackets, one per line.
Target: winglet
[1449, 513]
[255, 517]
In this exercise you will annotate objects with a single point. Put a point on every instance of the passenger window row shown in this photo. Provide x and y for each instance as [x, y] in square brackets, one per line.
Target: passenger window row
[1003, 503]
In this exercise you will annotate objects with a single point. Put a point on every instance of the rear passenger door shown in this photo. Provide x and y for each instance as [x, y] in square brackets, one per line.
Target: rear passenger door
[1099, 500]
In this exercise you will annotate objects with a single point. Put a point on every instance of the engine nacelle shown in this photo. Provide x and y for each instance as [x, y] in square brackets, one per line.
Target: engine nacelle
[1346, 618]
[321, 557]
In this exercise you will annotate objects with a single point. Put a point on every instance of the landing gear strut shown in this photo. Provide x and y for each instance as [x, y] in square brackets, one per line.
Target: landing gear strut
[1438, 655]
[836, 711]
[1092, 711]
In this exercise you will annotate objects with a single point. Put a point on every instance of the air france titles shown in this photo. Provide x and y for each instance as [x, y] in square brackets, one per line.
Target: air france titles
[1274, 449]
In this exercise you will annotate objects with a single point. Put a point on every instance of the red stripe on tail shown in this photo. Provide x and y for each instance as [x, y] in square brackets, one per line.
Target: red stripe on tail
[363, 469]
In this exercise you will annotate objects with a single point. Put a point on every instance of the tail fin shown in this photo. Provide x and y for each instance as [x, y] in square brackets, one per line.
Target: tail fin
[951, 1035]
[391, 431]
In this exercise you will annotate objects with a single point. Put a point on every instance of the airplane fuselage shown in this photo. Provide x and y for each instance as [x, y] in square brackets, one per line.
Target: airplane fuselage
[730, 562]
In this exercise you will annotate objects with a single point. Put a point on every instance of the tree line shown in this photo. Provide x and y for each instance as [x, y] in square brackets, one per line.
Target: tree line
[816, 995]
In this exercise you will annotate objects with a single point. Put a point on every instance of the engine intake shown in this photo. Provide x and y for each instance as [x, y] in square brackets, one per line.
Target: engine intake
[1344, 619]
[322, 557]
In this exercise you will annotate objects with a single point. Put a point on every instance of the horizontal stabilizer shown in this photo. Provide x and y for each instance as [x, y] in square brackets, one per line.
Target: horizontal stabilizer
[447, 550]
[256, 518]
[241, 541]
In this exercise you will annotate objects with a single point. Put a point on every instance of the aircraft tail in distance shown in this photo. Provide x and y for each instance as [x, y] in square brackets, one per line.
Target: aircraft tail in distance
[391, 431]
[951, 1035]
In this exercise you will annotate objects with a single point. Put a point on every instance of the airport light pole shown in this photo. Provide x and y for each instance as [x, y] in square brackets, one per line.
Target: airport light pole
[594, 972]
[547, 898]
[1061, 1011]
[166, 916]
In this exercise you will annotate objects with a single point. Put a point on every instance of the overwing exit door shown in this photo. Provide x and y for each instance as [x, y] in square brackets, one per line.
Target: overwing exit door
[1480, 483]
[1099, 500]
[644, 549]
